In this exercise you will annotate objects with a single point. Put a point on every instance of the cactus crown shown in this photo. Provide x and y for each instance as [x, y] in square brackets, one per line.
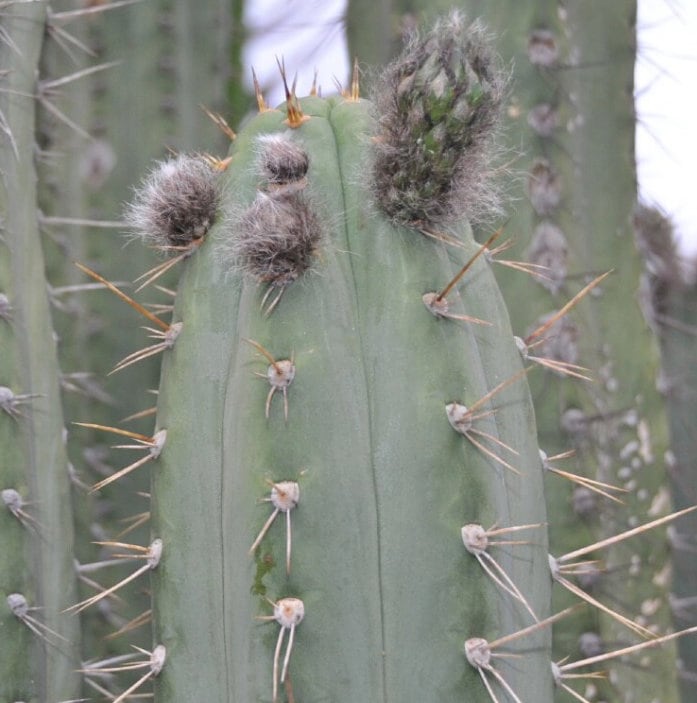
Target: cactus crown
[439, 105]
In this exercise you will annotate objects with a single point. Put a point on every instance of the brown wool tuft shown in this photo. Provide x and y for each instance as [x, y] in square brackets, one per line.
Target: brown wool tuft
[281, 161]
[176, 204]
[276, 237]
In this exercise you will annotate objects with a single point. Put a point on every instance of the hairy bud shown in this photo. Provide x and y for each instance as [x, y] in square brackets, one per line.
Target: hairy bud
[438, 109]
[276, 238]
[176, 204]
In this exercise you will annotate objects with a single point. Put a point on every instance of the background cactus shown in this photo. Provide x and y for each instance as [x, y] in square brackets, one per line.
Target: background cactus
[40, 651]
[668, 300]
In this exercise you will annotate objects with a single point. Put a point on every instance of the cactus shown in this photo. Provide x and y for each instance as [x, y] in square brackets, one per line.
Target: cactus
[668, 300]
[570, 118]
[307, 541]
[142, 71]
[301, 280]
[40, 651]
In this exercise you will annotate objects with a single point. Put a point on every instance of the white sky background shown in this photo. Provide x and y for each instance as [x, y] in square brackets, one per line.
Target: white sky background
[666, 95]
[309, 35]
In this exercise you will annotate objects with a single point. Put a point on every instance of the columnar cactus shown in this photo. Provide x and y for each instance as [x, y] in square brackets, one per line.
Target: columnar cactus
[39, 654]
[571, 108]
[357, 433]
[570, 119]
[346, 479]
[669, 301]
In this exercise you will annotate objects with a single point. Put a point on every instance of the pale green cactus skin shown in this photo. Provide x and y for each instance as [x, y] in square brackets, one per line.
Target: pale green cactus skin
[162, 61]
[386, 484]
[589, 83]
[36, 556]
[592, 149]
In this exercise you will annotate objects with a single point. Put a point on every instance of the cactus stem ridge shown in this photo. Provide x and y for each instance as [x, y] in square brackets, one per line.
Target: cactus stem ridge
[19, 606]
[288, 613]
[153, 556]
[284, 497]
[477, 540]
[168, 337]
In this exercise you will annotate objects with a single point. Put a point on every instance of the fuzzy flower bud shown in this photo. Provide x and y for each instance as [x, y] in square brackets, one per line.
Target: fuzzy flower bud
[276, 238]
[438, 108]
[176, 204]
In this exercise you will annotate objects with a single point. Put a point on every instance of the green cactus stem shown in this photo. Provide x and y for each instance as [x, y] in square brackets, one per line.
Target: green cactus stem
[40, 652]
[350, 442]
[669, 301]
[569, 117]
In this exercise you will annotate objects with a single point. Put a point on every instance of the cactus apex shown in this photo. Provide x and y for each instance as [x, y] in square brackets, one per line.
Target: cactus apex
[439, 103]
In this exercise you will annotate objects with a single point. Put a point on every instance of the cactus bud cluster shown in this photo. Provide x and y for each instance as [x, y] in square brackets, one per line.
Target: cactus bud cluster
[438, 107]
[276, 237]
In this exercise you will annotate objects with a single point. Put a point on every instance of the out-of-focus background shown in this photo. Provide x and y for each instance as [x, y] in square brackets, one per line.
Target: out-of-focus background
[310, 35]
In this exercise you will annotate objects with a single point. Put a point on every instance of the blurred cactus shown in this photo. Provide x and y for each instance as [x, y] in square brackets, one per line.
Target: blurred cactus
[40, 651]
[669, 301]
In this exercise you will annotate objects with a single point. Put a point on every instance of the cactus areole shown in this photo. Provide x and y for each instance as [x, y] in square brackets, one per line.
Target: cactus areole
[312, 521]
